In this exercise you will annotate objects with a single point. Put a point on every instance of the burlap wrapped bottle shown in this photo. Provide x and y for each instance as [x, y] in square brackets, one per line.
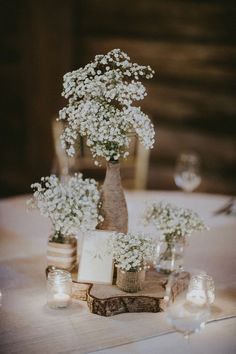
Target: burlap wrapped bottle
[114, 208]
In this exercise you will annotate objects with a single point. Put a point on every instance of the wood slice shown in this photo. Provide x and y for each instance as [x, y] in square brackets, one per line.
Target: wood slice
[108, 300]
[80, 290]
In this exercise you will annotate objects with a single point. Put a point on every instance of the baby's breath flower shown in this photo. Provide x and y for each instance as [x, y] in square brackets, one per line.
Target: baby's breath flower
[100, 97]
[70, 204]
[173, 222]
[131, 252]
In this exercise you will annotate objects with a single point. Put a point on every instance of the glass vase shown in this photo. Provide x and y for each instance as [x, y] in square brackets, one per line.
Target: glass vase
[114, 208]
[170, 255]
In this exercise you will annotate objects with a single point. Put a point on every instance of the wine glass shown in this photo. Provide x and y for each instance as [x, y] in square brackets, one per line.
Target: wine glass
[187, 171]
[187, 300]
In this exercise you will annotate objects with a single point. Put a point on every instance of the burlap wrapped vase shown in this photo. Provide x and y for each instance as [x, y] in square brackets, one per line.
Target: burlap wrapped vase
[131, 281]
[114, 209]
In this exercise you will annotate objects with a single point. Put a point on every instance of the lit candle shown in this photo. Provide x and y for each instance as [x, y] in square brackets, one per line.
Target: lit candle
[61, 300]
[59, 288]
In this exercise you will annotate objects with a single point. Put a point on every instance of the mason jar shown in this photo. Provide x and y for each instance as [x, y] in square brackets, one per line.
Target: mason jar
[59, 288]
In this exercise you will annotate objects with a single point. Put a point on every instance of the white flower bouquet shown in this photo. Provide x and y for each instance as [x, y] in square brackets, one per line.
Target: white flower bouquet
[172, 221]
[70, 205]
[100, 97]
[131, 251]
[175, 225]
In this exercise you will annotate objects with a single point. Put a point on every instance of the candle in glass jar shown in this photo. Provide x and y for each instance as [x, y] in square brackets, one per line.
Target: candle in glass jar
[59, 288]
[61, 300]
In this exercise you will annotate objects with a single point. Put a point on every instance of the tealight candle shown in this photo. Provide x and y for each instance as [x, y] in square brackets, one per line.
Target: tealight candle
[61, 300]
[59, 288]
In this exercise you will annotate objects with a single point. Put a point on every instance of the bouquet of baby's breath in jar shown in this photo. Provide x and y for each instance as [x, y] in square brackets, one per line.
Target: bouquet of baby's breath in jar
[172, 221]
[70, 204]
[174, 224]
[100, 97]
[131, 251]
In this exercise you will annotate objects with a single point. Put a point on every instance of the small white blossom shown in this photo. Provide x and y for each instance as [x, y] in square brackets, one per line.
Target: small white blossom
[100, 98]
[131, 252]
[173, 222]
[70, 204]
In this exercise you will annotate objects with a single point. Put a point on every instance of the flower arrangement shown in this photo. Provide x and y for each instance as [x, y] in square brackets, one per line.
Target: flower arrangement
[70, 204]
[131, 252]
[100, 97]
[173, 222]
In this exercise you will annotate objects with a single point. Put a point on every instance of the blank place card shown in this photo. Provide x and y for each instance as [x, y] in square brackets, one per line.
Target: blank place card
[96, 262]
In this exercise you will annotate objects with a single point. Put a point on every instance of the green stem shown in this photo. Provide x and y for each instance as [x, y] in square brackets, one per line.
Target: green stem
[58, 238]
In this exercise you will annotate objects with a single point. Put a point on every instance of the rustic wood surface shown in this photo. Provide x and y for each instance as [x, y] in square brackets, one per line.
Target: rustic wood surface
[109, 300]
[191, 46]
[80, 290]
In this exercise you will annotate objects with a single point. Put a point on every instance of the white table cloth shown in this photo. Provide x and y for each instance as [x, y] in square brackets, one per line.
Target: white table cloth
[27, 325]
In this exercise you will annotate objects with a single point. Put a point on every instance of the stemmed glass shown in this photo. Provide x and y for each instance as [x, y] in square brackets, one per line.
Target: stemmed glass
[187, 171]
[188, 301]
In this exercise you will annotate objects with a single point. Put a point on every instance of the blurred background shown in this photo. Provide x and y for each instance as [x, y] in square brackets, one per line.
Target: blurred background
[191, 44]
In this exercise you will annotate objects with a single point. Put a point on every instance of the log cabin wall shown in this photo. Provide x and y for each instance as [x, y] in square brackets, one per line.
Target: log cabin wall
[191, 44]
[35, 52]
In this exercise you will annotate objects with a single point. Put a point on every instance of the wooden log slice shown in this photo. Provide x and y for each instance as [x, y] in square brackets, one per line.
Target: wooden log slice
[108, 300]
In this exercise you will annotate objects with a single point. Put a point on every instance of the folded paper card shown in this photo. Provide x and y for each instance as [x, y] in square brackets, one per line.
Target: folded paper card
[96, 263]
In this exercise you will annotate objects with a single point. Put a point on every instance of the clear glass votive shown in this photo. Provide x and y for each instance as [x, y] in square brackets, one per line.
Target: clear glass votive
[200, 286]
[187, 300]
[59, 288]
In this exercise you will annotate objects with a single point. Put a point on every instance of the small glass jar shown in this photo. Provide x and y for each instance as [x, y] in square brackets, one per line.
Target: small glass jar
[59, 288]
[169, 255]
[201, 289]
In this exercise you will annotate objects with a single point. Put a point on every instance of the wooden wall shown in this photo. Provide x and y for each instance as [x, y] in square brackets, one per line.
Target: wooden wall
[191, 44]
[36, 50]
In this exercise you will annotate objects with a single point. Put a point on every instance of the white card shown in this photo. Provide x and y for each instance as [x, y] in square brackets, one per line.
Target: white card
[96, 263]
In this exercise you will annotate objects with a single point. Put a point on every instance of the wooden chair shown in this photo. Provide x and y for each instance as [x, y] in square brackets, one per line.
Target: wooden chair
[134, 170]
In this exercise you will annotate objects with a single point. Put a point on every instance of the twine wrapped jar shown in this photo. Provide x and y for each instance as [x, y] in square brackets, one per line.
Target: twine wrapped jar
[114, 208]
[62, 255]
[131, 281]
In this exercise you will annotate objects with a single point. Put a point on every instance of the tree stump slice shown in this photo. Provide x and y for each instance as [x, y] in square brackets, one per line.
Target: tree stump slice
[108, 300]
[80, 290]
